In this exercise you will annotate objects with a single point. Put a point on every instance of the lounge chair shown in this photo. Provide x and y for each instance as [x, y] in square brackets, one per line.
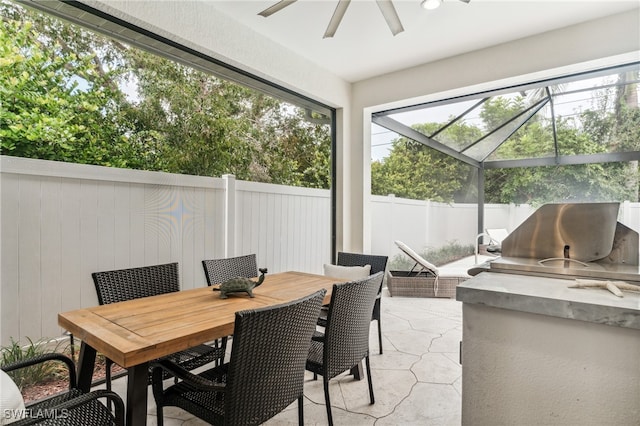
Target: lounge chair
[424, 279]
[496, 236]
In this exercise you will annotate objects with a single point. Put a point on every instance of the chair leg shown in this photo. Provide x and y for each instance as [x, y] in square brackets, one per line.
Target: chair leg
[327, 400]
[301, 410]
[380, 335]
[373, 400]
[107, 378]
[377, 315]
[160, 419]
[223, 343]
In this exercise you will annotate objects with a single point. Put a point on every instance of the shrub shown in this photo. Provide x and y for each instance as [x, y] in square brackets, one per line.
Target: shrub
[25, 377]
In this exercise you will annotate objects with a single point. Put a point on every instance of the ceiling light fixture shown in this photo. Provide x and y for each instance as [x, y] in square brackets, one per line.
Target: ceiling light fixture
[431, 4]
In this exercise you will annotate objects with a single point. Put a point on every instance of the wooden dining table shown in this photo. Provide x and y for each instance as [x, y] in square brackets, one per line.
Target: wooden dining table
[135, 332]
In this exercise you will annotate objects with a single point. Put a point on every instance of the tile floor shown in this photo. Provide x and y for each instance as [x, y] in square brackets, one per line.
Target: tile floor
[417, 381]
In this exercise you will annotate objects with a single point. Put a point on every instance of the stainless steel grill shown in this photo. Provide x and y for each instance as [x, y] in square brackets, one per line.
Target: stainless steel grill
[576, 240]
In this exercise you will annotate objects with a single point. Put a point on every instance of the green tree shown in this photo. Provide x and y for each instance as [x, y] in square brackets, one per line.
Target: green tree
[415, 171]
[537, 185]
[71, 95]
[50, 105]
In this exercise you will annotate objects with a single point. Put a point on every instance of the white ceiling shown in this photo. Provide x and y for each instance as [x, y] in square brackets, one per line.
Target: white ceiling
[364, 47]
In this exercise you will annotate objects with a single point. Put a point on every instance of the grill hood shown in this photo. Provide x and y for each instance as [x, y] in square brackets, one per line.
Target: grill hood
[575, 239]
[586, 232]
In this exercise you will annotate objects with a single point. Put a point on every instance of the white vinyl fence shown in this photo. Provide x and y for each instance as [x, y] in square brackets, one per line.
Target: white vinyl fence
[60, 222]
[429, 224]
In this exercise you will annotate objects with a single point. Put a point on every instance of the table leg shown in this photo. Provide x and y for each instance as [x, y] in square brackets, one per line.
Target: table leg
[86, 363]
[137, 394]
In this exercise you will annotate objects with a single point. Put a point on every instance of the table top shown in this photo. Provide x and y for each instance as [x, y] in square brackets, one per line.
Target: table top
[140, 330]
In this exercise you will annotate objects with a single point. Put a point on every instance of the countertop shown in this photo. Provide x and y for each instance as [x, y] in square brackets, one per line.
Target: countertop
[551, 297]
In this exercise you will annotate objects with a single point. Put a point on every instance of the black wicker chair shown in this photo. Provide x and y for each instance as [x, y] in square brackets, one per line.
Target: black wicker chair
[345, 341]
[127, 284]
[378, 264]
[220, 270]
[255, 385]
[70, 408]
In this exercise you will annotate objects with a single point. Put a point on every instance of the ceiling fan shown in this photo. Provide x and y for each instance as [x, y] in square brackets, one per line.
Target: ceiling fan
[386, 7]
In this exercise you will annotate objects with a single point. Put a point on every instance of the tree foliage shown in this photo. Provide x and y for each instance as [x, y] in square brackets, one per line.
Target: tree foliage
[416, 171]
[68, 94]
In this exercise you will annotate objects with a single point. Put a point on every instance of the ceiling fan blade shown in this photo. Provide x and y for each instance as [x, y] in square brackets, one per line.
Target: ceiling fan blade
[341, 8]
[391, 16]
[465, 1]
[276, 7]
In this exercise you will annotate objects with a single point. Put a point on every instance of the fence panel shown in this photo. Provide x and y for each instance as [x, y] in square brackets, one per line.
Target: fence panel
[288, 228]
[60, 222]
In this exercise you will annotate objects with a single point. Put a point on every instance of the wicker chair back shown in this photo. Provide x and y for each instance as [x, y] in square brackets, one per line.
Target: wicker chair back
[347, 332]
[220, 270]
[378, 263]
[265, 373]
[126, 284]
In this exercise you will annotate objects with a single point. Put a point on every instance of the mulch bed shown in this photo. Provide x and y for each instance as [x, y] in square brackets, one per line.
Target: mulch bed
[54, 386]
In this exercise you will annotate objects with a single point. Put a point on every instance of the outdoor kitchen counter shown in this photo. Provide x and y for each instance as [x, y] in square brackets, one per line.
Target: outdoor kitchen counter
[536, 352]
[551, 297]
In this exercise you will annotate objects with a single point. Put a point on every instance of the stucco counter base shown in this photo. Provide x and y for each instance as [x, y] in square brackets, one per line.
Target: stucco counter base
[536, 352]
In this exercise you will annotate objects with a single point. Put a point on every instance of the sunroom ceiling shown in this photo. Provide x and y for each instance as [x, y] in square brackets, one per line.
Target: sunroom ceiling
[457, 126]
[363, 46]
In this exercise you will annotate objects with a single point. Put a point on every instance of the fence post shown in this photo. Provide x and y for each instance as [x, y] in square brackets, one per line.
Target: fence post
[625, 213]
[392, 221]
[229, 215]
[428, 217]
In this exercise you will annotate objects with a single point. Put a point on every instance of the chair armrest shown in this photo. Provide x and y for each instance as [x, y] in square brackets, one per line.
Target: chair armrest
[62, 410]
[198, 382]
[39, 359]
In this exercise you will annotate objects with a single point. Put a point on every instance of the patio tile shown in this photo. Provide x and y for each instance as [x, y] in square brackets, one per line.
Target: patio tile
[392, 359]
[389, 388]
[428, 404]
[412, 341]
[437, 368]
[449, 341]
